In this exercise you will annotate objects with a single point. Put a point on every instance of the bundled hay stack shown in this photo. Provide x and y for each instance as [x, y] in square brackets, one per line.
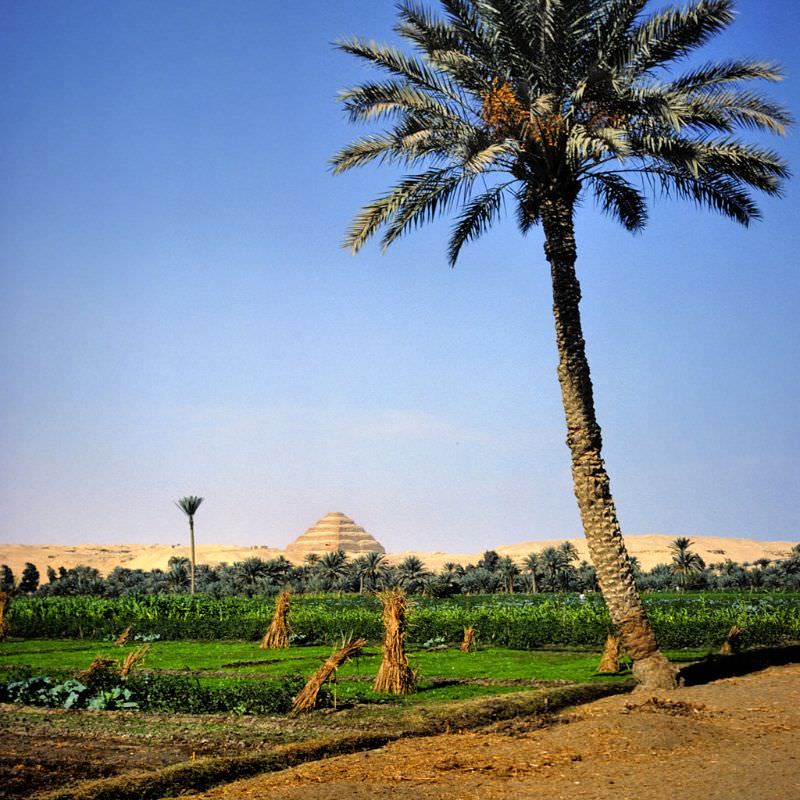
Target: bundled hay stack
[104, 670]
[122, 639]
[132, 659]
[395, 676]
[100, 668]
[609, 663]
[277, 636]
[468, 645]
[732, 641]
[5, 602]
[307, 699]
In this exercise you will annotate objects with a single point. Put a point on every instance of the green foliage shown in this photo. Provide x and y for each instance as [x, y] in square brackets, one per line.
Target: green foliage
[120, 697]
[515, 621]
[43, 690]
[159, 692]
[29, 582]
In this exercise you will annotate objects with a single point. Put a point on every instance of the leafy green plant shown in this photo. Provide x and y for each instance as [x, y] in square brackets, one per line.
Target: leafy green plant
[113, 699]
[42, 690]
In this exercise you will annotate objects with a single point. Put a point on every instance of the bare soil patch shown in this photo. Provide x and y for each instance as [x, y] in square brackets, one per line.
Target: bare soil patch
[734, 739]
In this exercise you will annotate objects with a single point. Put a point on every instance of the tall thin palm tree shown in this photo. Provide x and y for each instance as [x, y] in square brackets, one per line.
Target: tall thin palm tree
[537, 103]
[189, 506]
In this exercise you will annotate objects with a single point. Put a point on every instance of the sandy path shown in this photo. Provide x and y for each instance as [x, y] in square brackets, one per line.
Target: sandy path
[730, 740]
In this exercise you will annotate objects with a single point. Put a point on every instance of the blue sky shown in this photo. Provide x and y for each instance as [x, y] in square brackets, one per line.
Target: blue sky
[177, 315]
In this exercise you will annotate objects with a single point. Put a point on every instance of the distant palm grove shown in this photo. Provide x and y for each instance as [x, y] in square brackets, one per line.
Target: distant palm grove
[553, 569]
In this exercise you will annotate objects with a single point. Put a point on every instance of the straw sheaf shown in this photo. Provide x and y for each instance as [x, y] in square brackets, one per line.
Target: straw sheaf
[277, 635]
[395, 675]
[307, 699]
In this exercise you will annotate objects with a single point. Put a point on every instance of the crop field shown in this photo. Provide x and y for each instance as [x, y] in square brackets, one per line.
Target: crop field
[192, 698]
[184, 669]
[512, 621]
[206, 690]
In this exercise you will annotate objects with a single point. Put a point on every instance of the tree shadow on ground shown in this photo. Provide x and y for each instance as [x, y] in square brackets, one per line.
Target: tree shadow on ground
[716, 667]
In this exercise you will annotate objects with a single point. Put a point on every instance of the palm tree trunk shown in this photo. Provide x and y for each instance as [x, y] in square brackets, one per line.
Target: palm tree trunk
[590, 479]
[191, 539]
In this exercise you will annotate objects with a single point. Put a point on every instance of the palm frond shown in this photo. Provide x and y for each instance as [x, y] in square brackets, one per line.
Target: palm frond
[431, 198]
[725, 72]
[672, 34]
[611, 30]
[619, 199]
[403, 149]
[589, 145]
[413, 200]
[390, 98]
[722, 194]
[528, 211]
[747, 109]
[444, 47]
[489, 156]
[476, 218]
[402, 65]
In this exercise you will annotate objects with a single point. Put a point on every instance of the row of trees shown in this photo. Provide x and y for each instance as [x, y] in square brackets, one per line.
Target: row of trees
[553, 569]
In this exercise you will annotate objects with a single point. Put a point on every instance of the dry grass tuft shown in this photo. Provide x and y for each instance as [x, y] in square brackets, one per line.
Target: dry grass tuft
[132, 659]
[609, 663]
[5, 602]
[468, 644]
[732, 641]
[123, 638]
[99, 665]
[277, 636]
[307, 699]
[395, 676]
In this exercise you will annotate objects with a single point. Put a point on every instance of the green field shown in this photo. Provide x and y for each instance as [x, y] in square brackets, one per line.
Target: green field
[444, 674]
[523, 622]
[198, 661]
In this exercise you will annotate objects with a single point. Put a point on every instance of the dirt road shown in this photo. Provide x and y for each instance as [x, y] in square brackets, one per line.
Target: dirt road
[735, 739]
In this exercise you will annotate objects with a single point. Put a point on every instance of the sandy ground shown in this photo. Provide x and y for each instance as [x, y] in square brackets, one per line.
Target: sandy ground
[650, 549]
[734, 739]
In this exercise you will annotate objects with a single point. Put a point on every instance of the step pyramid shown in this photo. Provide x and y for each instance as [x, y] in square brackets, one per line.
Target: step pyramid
[335, 531]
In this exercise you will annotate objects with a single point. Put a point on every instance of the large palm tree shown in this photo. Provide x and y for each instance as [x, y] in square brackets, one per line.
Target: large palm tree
[189, 506]
[537, 103]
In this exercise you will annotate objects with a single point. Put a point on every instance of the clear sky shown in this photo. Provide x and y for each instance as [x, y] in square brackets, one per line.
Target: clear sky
[177, 315]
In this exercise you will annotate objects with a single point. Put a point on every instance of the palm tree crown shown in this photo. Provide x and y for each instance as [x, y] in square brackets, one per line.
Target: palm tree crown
[528, 100]
[189, 505]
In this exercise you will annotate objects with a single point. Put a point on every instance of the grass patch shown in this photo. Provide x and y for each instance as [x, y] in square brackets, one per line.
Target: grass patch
[232, 658]
[236, 677]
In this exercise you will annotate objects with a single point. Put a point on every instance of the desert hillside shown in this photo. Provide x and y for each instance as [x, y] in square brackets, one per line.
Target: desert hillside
[650, 549]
